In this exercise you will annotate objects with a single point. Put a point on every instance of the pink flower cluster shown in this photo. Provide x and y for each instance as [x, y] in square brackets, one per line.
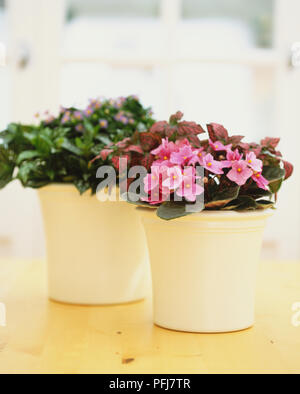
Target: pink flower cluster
[174, 172]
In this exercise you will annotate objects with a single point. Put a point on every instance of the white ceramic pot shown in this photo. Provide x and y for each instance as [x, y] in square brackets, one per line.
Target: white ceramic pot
[204, 269]
[96, 251]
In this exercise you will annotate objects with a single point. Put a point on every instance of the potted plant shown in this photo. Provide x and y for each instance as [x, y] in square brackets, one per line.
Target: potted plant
[85, 239]
[204, 253]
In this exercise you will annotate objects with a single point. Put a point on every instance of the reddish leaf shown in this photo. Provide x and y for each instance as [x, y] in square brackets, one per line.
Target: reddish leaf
[105, 153]
[115, 161]
[188, 128]
[195, 141]
[134, 148]
[257, 151]
[288, 167]
[149, 141]
[176, 117]
[170, 130]
[270, 142]
[217, 132]
[159, 127]
[147, 161]
[235, 139]
[244, 146]
[124, 143]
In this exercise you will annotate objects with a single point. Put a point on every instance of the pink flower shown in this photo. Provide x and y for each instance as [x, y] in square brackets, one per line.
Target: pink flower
[198, 155]
[253, 162]
[260, 180]
[189, 189]
[174, 178]
[240, 172]
[182, 142]
[212, 165]
[153, 185]
[164, 151]
[231, 158]
[218, 146]
[183, 156]
[151, 181]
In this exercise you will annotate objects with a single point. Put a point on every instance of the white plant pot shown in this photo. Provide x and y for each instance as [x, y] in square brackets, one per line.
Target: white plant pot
[96, 251]
[204, 269]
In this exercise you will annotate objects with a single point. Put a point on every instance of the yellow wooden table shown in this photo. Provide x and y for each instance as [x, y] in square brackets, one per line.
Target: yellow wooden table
[46, 337]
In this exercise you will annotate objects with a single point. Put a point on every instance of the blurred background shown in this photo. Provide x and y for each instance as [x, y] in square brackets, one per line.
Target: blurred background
[234, 62]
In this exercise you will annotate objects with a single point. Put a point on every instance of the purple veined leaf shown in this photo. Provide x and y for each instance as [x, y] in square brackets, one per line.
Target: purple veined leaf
[189, 128]
[235, 139]
[217, 132]
[159, 127]
[176, 117]
[269, 142]
[289, 168]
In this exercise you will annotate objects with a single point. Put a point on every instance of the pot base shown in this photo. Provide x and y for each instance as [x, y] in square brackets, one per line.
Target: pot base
[203, 332]
[121, 303]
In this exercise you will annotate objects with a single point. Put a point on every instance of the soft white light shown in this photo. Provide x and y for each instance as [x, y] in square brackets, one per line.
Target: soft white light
[2, 54]
[295, 54]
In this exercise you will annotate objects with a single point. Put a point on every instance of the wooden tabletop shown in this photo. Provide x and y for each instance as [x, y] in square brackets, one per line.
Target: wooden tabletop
[46, 337]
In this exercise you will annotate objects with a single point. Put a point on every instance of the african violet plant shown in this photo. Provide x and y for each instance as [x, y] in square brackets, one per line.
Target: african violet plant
[60, 149]
[237, 175]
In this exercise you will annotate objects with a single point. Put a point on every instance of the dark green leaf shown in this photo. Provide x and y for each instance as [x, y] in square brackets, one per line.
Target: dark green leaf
[273, 173]
[275, 185]
[223, 198]
[264, 204]
[81, 186]
[103, 138]
[172, 210]
[257, 192]
[6, 137]
[6, 167]
[71, 147]
[29, 154]
[241, 203]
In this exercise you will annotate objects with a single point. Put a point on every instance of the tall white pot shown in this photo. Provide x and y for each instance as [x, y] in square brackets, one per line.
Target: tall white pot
[204, 269]
[96, 251]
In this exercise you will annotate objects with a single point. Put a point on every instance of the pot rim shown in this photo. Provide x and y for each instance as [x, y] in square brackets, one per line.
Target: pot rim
[70, 190]
[211, 215]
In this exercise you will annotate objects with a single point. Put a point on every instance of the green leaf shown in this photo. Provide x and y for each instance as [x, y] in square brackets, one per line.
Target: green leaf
[29, 154]
[71, 147]
[223, 198]
[172, 210]
[89, 128]
[264, 204]
[82, 186]
[273, 173]
[241, 203]
[6, 137]
[30, 170]
[43, 143]
[257, 192]
[103, 138]
[6, 167]
[275, 185]
[79, 143]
